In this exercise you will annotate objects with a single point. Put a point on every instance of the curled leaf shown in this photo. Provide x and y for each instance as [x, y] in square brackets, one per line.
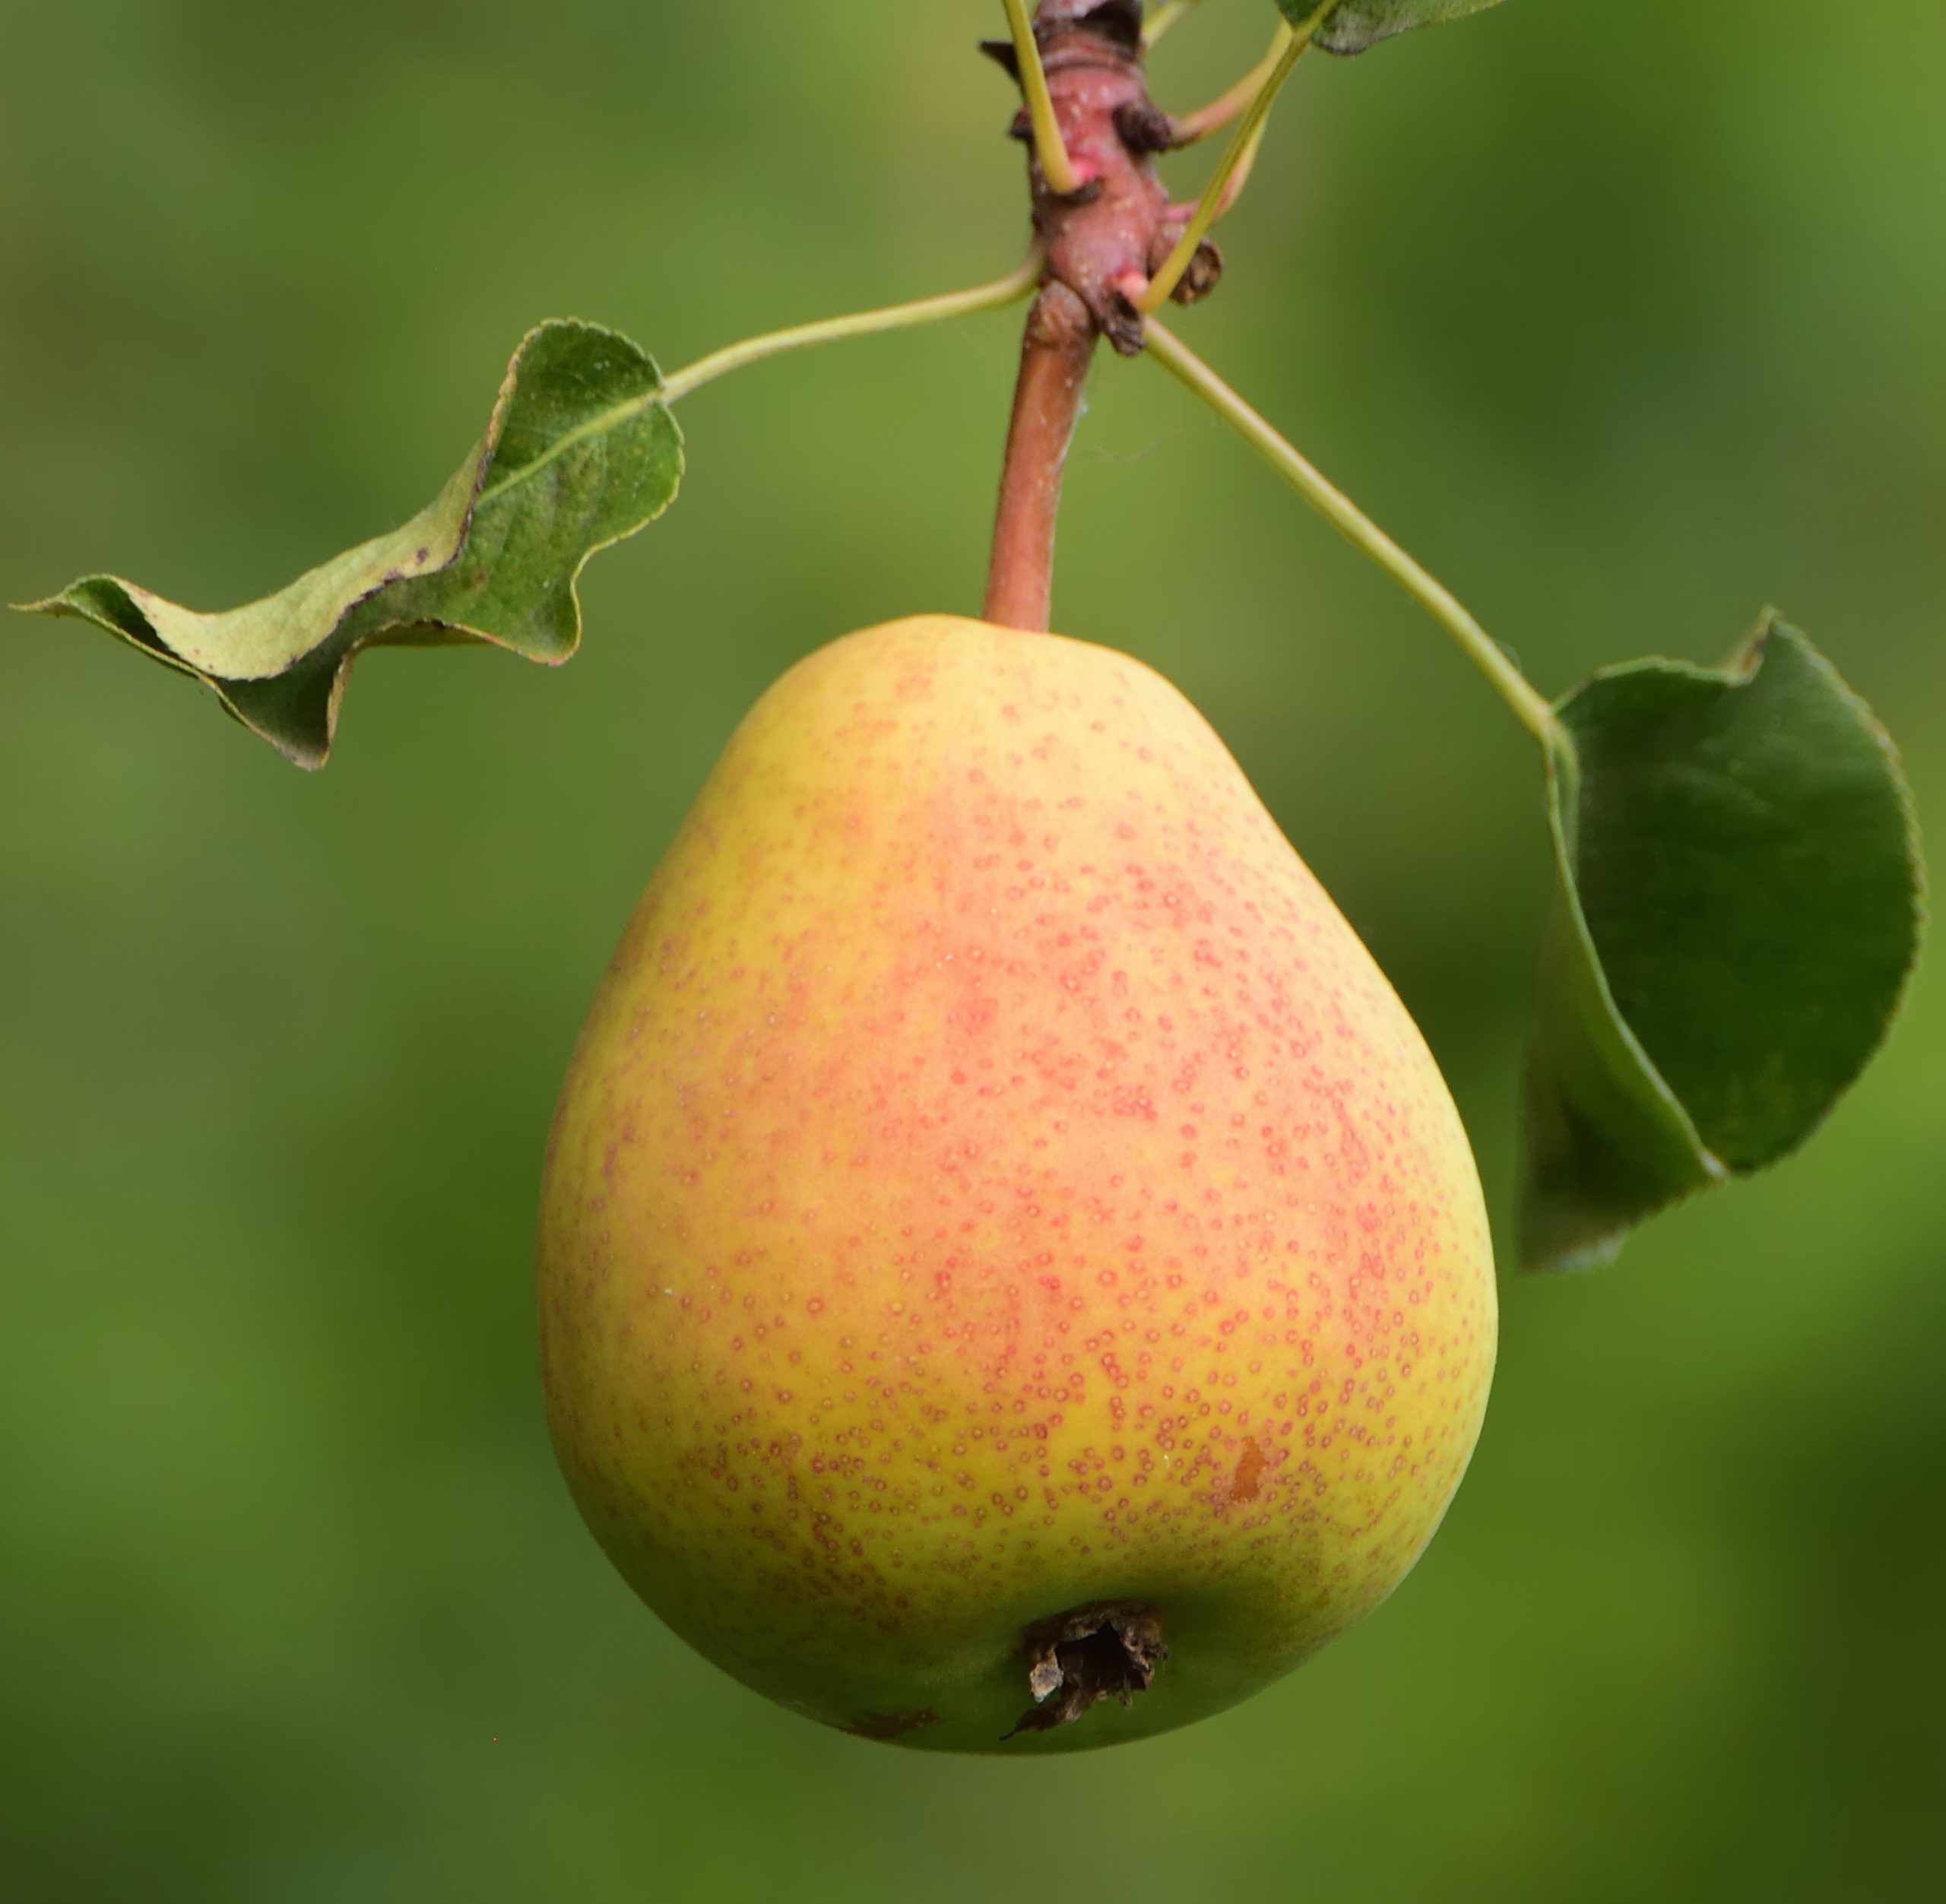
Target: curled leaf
[1737, 917]
[580, 451]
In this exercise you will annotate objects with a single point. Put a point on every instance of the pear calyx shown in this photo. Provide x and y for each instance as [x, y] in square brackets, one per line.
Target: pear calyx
[1109, 1650]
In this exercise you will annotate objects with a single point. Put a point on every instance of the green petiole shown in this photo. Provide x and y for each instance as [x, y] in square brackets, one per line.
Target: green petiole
[1343, 516]
[1050, 147]
[997, 295]
[1290, 45]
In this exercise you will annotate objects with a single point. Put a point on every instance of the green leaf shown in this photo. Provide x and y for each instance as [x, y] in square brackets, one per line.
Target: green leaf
[580, 451]
[1737, 914]
[1355, 25]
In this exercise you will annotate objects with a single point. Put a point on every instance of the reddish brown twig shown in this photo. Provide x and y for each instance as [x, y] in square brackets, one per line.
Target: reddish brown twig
[1055, 357]
[1103, 243]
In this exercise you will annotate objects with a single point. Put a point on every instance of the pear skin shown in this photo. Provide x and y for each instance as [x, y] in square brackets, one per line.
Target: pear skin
[1008, 1257]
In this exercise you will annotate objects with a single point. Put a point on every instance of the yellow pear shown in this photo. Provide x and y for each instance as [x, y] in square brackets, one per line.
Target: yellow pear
[1012, 1275]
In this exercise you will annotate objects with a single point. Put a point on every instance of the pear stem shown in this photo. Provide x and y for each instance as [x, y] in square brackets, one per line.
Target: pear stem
[1358, 528]
[1100, 245]
[1004, 291]
[1054, 359]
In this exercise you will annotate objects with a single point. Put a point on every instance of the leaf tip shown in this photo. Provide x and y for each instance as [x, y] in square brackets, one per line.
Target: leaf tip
[1580, 1259]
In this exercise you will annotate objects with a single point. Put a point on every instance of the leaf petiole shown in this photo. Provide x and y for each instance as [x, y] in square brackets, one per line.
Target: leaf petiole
[1051, 149]
[1239, 178]
[1227, 108]
[1290, 46]
[1343, 516]
[997, 295]
[1170, 13]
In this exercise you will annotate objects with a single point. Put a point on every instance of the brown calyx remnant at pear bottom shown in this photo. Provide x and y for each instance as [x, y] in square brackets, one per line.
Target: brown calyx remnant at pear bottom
[1076, 1660]
[1103, 244]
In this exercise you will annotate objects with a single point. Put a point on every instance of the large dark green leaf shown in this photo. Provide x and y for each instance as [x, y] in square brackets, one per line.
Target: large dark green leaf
[581, 451]
[1737, 914]
[1352, 26]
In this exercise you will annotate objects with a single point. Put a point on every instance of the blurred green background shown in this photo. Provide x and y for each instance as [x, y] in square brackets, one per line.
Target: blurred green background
[1626, 318]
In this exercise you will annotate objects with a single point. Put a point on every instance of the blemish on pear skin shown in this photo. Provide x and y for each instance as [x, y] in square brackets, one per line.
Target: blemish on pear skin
[884, 1726]
[1249, 1472]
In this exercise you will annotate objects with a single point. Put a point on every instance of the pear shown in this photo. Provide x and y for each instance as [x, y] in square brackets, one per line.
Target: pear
[1011, 1276]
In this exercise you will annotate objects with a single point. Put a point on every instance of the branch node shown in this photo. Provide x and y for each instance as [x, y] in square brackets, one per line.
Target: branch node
[1202, 274]
[1145, 128]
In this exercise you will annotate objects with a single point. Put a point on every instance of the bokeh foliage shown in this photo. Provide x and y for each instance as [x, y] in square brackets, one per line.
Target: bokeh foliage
[1622, 317]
